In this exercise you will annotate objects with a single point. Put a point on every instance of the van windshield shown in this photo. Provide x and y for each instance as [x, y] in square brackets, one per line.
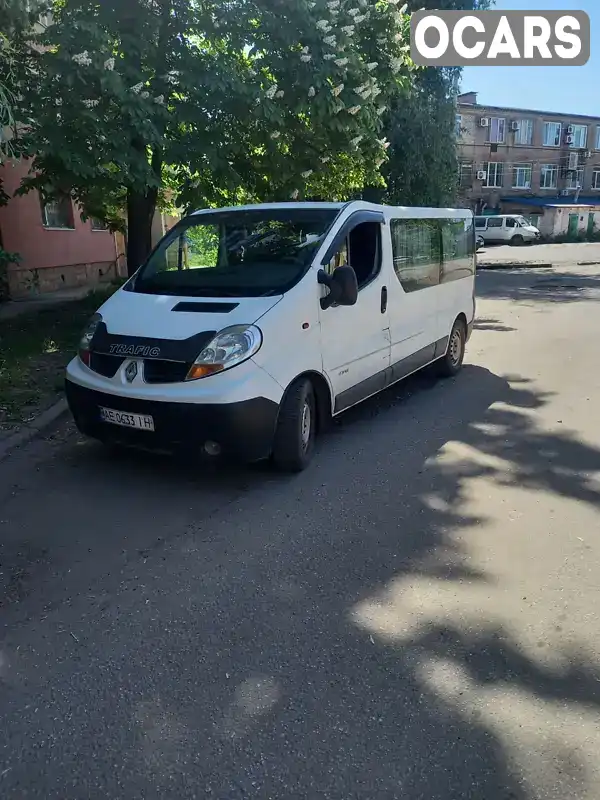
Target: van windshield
[245, 253]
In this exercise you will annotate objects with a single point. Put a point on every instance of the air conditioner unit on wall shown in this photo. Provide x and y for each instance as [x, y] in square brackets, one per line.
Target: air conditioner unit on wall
[484, 122]
[564, 192]
[481, 174]
[570, 129]
[514, 125]
[569, 139]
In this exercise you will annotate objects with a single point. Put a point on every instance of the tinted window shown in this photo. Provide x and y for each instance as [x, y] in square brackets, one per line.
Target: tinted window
[480, 222]
[416, 246]
[511, 223]
[495, 222]
[458, 249]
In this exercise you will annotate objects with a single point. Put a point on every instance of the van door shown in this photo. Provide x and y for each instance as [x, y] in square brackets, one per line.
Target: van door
[355, 340]
[414, 286]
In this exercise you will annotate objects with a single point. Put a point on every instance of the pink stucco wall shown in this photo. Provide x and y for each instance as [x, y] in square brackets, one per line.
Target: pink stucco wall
[23, 232]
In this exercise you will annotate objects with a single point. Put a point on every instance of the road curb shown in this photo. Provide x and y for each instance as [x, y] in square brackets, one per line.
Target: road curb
[32, 429]
[588, 263]
[514, 265]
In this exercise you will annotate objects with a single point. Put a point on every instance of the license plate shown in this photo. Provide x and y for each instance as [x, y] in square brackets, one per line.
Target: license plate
[142, 422]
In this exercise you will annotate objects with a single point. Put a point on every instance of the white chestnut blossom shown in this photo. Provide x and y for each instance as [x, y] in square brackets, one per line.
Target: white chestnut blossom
[305, 59]
[137, 88]
[333, 5]
[354, 110]
[305, 50]
[324, 25]
[354, 12]
[271, 91]
[109, 64]
[325, 159]
[348, 30]
[280, 93]
[275, 135]
[312, 91]
[172, 76]
[307, 174]
[341, 62]
[381, 40]
[379, 162]
[356, 141]
[330, 40]
[393, 2]
[396, 64]
[83, 59]
[381, 110]
[337, 90]
[372, 65]
[329, 56]
[91, 103]
[160, 100]
[145, 95]
[403, 9]
[360, 18]
[384, 143]
[295, 194]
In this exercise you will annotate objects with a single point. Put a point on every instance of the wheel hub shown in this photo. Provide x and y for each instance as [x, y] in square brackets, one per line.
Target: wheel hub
[306, 424]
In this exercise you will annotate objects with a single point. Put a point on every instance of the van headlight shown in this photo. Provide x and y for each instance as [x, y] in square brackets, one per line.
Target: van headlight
[86, 338]
[230, 347]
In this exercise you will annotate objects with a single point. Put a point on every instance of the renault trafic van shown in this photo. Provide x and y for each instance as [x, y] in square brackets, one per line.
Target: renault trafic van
[248, 328]
[506, 229]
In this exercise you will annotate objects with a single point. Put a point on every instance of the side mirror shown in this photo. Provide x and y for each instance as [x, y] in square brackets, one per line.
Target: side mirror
[342, 285]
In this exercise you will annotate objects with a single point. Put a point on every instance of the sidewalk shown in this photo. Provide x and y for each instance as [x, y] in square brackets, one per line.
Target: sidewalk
[16, 308]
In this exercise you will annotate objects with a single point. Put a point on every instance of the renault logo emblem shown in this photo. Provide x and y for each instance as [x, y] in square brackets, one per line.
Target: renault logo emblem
[131, 371]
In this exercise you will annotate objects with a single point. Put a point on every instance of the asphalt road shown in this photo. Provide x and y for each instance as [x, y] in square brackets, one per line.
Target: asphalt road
[562, 255]
[415, 617]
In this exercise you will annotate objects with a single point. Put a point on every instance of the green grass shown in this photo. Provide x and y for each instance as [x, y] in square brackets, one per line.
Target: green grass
[34, 351]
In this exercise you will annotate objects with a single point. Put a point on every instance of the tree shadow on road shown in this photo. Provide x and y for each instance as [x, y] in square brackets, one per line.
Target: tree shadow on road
[337, 638]
[539, 286]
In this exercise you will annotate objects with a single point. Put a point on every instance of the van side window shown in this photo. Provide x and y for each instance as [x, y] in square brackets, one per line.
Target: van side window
[511, 223]
[416, 247]
[494, 222]
[480, 222]
[362, 251]
[458, 249]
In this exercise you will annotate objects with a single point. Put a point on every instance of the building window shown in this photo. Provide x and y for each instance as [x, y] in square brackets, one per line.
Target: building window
[465, 174]
[579, 136]
[596, 180]
[524, 135]
[496, 130]
[98, 224]
[494, 171]
[552, 131]
[458, 125]
[598, 138]
[575, 179]
[416, 246]
[522, 176]
[549, 176]
[58, 213]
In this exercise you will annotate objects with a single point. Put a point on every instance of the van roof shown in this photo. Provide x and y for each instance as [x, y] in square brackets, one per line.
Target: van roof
[359, 204]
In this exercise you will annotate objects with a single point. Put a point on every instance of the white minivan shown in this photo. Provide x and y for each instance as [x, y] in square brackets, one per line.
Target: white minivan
[248, 328]
[506, 229]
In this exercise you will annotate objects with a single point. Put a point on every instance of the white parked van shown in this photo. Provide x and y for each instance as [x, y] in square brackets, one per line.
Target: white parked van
[248, 328]
[506, 229]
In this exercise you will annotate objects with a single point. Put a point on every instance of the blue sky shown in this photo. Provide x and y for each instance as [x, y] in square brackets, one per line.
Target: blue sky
[566, 90]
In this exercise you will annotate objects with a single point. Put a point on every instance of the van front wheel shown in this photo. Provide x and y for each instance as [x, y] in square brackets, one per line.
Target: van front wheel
[517, 240]
[296, 428]
[452, 362]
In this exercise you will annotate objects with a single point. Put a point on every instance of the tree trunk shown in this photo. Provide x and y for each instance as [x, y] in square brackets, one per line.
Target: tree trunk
[140, 214]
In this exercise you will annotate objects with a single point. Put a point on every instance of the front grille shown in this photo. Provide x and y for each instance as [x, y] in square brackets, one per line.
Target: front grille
[104, 364]
[158, 371]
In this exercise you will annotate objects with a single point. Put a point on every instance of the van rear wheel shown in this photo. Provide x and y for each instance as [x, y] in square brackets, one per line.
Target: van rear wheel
[294, 442]
[452, 362]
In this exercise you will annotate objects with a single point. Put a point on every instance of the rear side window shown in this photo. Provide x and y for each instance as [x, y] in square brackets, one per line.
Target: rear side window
[494, 222]
[416, 247]
[458, 249]
[480, 222]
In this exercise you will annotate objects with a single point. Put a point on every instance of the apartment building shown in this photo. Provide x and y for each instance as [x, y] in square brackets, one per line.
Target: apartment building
[524, 161]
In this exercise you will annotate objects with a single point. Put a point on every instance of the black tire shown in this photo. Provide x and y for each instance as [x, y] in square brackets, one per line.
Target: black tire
[294, 442]
[451, 364]
[517, 240]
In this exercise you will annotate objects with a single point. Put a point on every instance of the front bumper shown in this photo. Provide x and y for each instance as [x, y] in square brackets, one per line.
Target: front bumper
[244, 430]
